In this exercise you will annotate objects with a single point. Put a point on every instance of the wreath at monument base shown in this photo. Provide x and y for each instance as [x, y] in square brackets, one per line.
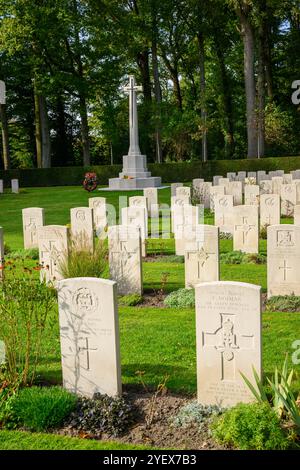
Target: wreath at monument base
[90, 182]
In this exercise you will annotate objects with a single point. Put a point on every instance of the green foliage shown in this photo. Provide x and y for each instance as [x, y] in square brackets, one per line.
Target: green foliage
[237, 257]
[25, 304]
[195, 413]
[264, 232]
[182, 298]
[32, 253]
[250, 426]
[102, 414]
[40, 408]
[83, 263]
[130, 300]
[283, 303]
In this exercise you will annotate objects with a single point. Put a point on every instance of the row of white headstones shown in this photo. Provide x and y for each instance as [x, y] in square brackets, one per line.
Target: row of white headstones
[228, 314]
[14, 186]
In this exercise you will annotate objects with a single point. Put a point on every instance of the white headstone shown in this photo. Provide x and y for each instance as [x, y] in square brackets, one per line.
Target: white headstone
[177, 204]
[33, 218]
[261, 175]
[216, 180]
[174, 186]
[295, 174]
[297, 215]
[53, 250]
[266, 187]
[89, 336]
[235, 189]
[223, 213]
[185, 222]
[288, 199]
[269, 209]
[151, 195]
[135, 216]
[15, 186]
[231, 176]
[202, 256]
[82, 228]
[245, 234]
[204, 194]
[1, 187]
[283, 260]
[287, 178]
[125, 262]
[215, 191]
[252, 195]
[98, 205]
[241, 176]
[183, 191]
[277, 182]
[228, 330]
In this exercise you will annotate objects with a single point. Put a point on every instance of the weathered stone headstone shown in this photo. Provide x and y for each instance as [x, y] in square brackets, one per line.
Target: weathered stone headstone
[231, 176]
[82, 228]
[277, 182]
[185, 222]
[288, 199]
[33, 217]
[216, 180]
[287, 178]
[1, 187]
[183, 191]
[245, 234]
[223, 213]
[252, 175]
[135, 216]
[266, 187]
[261, 175]
[196, 182]
[295, 174]
[202, 256]
[252, 195]
[98, 205]
[151, 195]
[15, 186]
[241, 176]
[235, 189]
[224, 182]
[228, 330]
[296, 183]
[177, 204]
[215, 191]
[89, 336]
[174, 186]
[269, 210]
[283, 260]
[53, 251]
[125, 262]
[204, 194]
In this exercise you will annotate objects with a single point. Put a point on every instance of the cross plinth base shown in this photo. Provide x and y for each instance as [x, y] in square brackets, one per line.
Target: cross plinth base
[123, 184]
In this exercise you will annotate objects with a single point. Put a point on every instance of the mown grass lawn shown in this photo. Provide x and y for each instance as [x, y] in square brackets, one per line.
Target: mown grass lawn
[156, 343]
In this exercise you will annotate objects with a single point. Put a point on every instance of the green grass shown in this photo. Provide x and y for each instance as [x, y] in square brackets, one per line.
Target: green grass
[18, 440]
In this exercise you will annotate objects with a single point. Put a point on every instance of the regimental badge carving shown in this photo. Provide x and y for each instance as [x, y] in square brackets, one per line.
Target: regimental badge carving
[270, 201]
[285, 238]
[80, 215]
[223, 202]
[84, 300]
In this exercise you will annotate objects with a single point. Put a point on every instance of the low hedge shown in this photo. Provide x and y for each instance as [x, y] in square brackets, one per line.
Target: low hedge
[169, 172]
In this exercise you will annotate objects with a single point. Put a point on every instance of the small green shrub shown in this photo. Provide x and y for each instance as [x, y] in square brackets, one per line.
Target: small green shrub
[255, 258]
[182, 298]
[82, 263]
[283, 303]
[7, 248]
[40, 408]
[102, 414]
[232, 257]
[195, 413]
[130, 300]
[250, 426]
[33, 254]
[264, 232]
[225, 236]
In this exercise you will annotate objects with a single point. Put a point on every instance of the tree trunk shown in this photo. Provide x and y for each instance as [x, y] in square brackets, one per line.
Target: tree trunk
[227, 100]
[158, 99]
[248, 40]
[202, 94]
[84, 131]
[177, 88]
[5, 138]
[261, 95]
[38, 134]
[143, 63]
[45, 133]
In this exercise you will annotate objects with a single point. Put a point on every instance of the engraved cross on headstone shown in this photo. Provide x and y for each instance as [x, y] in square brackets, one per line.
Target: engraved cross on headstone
[123, 255]
[285, 268]
[201, 256]
[86, 349]
[31, 226]
[245, 228]
[52, 253]
[225, 341]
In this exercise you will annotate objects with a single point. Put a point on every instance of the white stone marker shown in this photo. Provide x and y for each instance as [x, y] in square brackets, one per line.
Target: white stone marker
[288, 199]
[174, 186]
[140, 201]
[287, 178]
[185, 222]
[125, 259]
[177, 204]
[295, 174]
[266, 187]
[82, 228]
[53, 250]
[183, 191]
[228, 331]
[1, 187]
[15, 186]
[196, 182]
[98, 205]
[215, 191]
[235, 189]
[223, 213]
[216, 180]
[231, 176]
[204, 194]
[136, 217]
[296, 183]
[33, 217]
[89, 336]
[252, 175]
[245, 233]
[224, 182]
[202, 256]
[277, 182]
[151, 195]
[252, 195]
[269, 210]
[241, 176]
[261, 175]
[283, 260]
[297, 215]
